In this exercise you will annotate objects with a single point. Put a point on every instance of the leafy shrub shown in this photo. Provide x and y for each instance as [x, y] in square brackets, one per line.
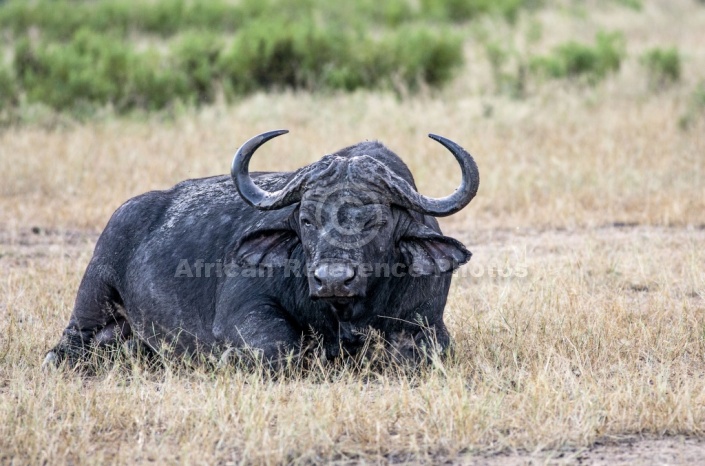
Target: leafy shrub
[154, 86]
[663, 66]
[61, 19]
[94, 70]
[358, 15]
[465, 10]
[197, 56]
[413, 56]
[300, 55]
[389, 12]
[268, 54]
[8, 89]
[575, 60]
[89, 68]
[58, 19]
[168, 17]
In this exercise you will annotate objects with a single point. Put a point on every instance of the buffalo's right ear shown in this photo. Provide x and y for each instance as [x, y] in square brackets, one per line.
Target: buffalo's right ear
[269, 248]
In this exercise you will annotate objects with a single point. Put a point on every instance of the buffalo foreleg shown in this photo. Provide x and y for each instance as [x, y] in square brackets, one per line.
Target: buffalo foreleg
[262, 332]
[420, 346]
[94, 321]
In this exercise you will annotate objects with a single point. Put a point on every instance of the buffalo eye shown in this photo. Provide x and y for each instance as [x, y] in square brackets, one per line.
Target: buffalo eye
[375, 223]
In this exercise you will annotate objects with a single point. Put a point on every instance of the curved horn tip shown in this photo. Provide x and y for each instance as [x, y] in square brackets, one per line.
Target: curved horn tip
[250, 146]
[272, 134]
[246, 187]
[441, 139]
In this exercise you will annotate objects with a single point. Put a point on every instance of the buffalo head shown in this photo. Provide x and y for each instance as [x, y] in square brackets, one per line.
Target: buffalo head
[353, 220]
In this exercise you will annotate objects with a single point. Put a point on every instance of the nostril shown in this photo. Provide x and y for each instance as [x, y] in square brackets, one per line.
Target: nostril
[349, 276]
[318, 275]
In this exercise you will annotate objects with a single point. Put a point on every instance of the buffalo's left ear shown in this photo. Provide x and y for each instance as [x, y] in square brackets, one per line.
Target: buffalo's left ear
[427, 252]
[269, 248]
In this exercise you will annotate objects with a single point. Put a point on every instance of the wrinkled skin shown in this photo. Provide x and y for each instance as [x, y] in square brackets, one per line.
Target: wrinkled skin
[318, 257]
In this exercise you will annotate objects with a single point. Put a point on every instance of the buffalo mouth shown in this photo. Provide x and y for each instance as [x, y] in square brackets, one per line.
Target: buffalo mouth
[343, 307]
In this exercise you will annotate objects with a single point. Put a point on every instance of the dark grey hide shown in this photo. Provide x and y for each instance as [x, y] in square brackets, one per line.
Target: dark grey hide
[334, 249]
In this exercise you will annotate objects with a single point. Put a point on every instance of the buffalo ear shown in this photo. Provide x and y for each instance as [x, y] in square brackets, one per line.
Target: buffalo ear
[427, 252]
[269, 248]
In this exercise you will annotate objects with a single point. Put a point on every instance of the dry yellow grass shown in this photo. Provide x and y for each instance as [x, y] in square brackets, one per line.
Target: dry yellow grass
[604, 337]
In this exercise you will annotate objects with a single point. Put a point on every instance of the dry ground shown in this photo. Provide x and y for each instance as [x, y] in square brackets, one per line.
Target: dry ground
[602, 341]
[594, 192]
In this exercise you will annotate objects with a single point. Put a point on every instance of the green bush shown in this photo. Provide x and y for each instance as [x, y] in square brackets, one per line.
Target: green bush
[154, 85]
[412, 56]
[59, 19]
[297, 47]
[89, 69]
[358, 15]
[663, 66]
[93, 70]
[276, 53]
[390, 12]
[465, 10]
[168, 17]
[8, 89]
[575, 60]
[297, 55]
[197, 55]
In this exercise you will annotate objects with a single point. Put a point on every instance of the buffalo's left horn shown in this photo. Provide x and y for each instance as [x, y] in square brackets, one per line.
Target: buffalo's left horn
[440, 207]
[250, 192]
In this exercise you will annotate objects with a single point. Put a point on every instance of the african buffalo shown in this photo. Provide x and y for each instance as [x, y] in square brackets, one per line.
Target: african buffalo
[267, 260]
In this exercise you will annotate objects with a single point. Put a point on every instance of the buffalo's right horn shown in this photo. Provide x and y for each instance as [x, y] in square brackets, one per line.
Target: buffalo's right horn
[250, 192]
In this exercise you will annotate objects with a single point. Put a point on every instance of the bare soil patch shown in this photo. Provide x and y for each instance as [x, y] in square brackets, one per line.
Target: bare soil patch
[629, 451]
[19, 247]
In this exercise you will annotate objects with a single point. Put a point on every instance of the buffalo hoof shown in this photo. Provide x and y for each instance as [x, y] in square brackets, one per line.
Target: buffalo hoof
[130, 349]
[226, 359]
[134, 349]
[234, 357]
[51, 361]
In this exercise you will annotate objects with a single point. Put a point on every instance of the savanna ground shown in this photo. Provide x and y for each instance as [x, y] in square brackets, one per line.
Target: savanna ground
[595, 354]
